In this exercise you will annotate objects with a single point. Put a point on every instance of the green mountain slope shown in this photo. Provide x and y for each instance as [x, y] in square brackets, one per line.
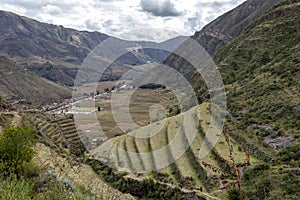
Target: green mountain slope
[19, 84]
[188, 171]
[261, 71]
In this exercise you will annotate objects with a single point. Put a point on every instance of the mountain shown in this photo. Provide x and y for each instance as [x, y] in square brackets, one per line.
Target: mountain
[261, 70]
[56, 53]
[21, 84]
[220, 32]
[228, 26]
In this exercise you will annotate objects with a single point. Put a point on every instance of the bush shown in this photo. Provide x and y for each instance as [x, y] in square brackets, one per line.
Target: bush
[233, 194]
[290, 153]
[16, 150]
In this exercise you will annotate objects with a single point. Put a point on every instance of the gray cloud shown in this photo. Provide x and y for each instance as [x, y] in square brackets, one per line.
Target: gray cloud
[115, 17]
[216, 4]
[194, 23]
[91, 25]
[162, 8]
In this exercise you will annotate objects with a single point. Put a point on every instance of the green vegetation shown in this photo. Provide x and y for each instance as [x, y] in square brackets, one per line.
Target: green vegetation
[260, 67]
[20, 177]
[261, 72]
[4, 104]
[188, 171]
[16, 150]
[13, 188]
[290, 154]
[145, 189]
[260, 182]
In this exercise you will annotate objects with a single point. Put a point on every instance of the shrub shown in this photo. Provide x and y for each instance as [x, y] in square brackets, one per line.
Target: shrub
[16, 150]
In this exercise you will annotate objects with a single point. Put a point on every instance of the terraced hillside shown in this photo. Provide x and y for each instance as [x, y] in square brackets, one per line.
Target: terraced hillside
[145, 150]
[60, 130]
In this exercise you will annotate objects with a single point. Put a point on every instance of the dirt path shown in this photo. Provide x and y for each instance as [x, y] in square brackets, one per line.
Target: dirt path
[78, 173]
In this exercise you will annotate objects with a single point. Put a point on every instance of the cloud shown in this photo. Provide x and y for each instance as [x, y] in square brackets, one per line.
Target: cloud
[52, 10]
[162, 8]
[194, 23]
[92, 25]
[118, 17]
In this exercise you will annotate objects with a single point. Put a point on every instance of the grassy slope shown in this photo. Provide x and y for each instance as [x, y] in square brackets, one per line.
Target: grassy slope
[220, 32]
[231, 24]
[261, 71]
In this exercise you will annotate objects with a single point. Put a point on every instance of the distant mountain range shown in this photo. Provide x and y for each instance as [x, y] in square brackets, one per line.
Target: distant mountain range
[55, 52]
[256, 47]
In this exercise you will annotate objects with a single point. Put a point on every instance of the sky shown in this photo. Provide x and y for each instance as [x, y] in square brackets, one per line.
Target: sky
[155, 20]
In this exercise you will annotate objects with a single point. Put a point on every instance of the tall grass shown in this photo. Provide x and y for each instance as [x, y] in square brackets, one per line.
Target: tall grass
[12, 189]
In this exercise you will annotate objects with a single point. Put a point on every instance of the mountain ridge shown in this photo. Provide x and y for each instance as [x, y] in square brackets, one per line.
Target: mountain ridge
[40, 46]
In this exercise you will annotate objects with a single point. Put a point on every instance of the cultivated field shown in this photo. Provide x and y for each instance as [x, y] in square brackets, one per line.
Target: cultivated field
[146, 106]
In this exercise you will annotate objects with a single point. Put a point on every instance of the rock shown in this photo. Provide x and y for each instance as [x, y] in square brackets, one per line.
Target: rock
[280, 142]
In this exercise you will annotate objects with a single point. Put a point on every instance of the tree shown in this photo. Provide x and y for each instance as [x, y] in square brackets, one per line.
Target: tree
[16, 149]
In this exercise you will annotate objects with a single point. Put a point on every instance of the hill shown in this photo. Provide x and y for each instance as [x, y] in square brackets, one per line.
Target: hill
[18, 84]
[220, 32]
[261, 71]
[189, 172]
[228, 26]
[56, 53]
